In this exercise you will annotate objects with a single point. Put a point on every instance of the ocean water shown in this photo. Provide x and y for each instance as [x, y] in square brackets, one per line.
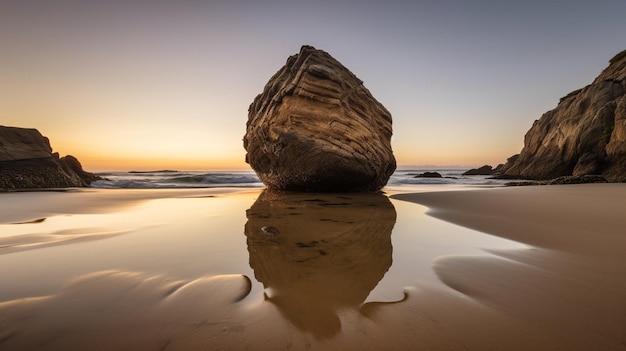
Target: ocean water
[402, 178]
[177, 179]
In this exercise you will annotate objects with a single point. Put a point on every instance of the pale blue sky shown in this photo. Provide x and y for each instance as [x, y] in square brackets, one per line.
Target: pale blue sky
[166, 84]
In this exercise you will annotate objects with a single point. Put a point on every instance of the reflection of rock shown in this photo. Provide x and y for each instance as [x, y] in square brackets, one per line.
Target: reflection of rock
[317, 253]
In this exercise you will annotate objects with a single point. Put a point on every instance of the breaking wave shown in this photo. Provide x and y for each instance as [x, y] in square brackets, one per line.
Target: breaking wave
[177, 179]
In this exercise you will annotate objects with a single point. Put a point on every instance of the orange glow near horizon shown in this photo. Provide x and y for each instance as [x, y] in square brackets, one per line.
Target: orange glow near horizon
[135, 161]
[158, 148]
[147, 164]
[153, 148]
[95, 162]
[162, 146]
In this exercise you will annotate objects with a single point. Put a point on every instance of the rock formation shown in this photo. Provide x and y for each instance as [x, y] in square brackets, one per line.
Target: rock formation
[484, 170]
[584, 135]
[428, 175]
[27, 162]
[316, 127]
[580, 179]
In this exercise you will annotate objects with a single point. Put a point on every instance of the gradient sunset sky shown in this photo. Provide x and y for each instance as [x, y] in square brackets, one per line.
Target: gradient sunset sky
[131, 84]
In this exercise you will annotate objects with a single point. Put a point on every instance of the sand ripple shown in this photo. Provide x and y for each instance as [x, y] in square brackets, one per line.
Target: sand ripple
[94, 308]
[39, 240]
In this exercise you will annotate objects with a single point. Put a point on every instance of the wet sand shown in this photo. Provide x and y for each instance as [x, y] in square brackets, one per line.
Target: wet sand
[570, 288]
[224, 269]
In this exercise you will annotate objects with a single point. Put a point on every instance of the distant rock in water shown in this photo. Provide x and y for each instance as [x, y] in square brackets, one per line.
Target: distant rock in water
[584, 135]
[27, 162]
[484, 170]
[428, 175]
[316, 127]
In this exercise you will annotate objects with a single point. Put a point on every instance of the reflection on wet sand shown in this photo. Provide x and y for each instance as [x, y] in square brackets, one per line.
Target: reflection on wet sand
[317, 254]
[183, 278]
[25, 242]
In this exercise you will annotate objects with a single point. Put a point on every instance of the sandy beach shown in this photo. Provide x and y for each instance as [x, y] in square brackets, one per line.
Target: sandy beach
[568, 288]
[523, 268]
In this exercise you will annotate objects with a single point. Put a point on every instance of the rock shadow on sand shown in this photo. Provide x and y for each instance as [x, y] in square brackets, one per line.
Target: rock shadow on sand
[319, 254]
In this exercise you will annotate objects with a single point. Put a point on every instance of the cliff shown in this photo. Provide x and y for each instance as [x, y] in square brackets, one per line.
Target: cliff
[585, 134]
[27, 162]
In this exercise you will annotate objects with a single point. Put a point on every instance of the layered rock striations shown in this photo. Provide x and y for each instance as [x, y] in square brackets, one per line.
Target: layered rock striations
[27, 162]
[315, 127]
[584, 135]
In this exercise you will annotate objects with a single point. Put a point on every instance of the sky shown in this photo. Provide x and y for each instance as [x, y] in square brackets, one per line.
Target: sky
[139, 84]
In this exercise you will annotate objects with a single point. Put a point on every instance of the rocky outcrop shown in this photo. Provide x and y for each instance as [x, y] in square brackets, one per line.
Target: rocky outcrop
[27, 162]
[316, 127]
[428, 175]
[564, 180]
[484, 170]
[584, 135]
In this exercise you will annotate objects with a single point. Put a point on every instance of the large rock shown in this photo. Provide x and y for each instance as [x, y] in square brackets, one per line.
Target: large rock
[584, 135]
[27, 162]
[316, 127]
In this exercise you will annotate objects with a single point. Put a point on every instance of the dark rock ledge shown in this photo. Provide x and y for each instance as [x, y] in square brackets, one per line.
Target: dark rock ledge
[27, 162]
[584, 179]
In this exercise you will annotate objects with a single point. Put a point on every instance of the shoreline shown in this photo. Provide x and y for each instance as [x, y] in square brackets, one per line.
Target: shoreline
[578, 208]
[34, 204]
